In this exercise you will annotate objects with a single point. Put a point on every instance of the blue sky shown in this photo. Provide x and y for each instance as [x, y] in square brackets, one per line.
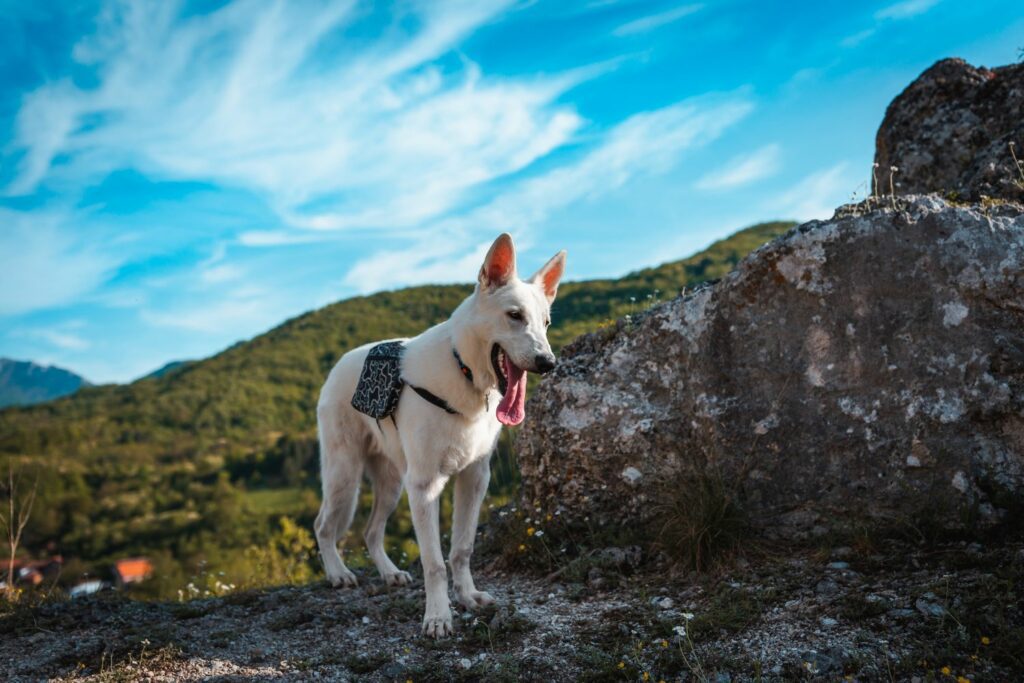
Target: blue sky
[175, 177]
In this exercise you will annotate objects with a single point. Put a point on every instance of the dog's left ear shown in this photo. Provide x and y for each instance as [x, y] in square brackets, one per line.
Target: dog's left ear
[549, 275]
[499, 264]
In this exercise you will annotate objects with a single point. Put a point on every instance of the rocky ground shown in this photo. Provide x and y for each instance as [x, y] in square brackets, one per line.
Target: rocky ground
[870, 611]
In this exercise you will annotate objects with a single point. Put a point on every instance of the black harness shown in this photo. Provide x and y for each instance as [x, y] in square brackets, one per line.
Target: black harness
[381, 382]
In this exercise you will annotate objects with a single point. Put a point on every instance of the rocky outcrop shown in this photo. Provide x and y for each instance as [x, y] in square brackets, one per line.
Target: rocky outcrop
[950, 132]
[864, 368]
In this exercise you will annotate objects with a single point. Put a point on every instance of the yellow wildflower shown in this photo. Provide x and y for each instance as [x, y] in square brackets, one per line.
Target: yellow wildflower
[622, 665]
[522, 547]
[664, 643]
[530, 531]
[962, 679]
[647, 676]
[946, 671]
[985, 640]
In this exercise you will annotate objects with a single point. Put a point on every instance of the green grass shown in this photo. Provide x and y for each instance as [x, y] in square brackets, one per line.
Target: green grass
[291, 501]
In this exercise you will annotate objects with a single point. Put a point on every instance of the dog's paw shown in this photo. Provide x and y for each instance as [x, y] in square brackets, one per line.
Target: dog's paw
[397, 578]
[439, 626]
[346, 579]
[475, 599]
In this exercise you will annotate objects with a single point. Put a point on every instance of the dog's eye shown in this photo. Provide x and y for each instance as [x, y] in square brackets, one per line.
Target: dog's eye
[516, 315]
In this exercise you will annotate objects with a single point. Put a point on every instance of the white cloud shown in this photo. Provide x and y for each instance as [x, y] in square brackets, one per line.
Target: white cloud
[895, 12]
[649, 142]
[905, 9]
[43, 264]
[368, 136]
[743, 169]
[276, 238]
[855, 39]
[62, 336]
[653, 21]
[214, 270]
[817, 195]
[243, 308]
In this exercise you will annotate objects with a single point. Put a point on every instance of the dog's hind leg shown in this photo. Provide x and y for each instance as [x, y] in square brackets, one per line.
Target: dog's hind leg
[341, 467]
[470, 488]
[387, 490]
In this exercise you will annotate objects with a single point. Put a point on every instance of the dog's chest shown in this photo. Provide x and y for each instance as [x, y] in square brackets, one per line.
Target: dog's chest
[469, 446]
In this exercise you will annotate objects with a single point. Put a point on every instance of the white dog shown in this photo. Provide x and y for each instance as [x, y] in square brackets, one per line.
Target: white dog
[416, 412]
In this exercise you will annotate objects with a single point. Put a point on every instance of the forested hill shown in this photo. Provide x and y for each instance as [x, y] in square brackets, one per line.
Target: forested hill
[247, 396]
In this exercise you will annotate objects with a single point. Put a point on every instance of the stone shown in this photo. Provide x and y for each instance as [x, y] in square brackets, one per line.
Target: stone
[772, 338]
[663, 603]
[927, 606]
[950, 132]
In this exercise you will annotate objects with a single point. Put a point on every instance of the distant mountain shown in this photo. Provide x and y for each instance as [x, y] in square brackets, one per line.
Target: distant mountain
[24, 382]
[168, 369]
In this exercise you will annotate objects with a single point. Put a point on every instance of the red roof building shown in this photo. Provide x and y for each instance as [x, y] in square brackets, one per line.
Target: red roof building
[132, 570]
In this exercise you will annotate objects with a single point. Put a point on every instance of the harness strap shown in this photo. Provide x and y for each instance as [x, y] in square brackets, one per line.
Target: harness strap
[433, 398]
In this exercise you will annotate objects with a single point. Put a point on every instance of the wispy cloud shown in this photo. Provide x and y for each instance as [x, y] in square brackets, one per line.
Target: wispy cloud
[244, 97]
[43, 263]
[246, 307]
[905, 9]
[743, 169]
[654, 21]
[816, 195]
[855, 39]
[64, 336]
[646, 143]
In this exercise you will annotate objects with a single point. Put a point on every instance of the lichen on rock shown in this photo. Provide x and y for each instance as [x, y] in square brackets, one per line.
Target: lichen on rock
[867, 367]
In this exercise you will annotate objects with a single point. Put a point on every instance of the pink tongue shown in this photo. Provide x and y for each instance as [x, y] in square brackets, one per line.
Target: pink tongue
[512, 408]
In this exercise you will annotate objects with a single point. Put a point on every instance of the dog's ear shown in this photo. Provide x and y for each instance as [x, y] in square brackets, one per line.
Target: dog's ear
[499, 264]
[549, 275]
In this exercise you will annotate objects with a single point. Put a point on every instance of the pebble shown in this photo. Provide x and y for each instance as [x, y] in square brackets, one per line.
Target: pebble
[839, 565]
[465, 663]
[829, 622]
[663, 603]
[928, 608]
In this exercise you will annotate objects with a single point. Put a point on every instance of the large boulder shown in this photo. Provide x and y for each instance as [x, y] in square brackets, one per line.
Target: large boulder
[950, 132]
[867, 367]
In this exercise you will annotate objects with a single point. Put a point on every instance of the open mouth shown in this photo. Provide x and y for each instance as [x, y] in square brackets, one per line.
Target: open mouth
[512, 385]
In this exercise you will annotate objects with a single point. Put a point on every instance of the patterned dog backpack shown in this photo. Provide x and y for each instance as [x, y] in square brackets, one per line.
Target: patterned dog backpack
[380, 382]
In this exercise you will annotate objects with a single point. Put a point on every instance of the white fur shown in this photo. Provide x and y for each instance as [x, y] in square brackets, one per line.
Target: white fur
[429, 445]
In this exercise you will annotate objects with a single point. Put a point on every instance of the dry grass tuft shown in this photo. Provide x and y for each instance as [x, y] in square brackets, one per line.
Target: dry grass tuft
[701, 521]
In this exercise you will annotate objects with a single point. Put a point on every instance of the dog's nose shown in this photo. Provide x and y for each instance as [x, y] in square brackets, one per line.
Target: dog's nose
[544, 363]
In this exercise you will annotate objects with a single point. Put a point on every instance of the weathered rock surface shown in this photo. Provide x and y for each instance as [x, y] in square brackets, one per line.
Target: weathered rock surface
[950, 132]
[868, 366]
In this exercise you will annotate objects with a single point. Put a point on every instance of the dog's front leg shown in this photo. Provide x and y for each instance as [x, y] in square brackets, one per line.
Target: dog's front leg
[470, 488]
[424, 495]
